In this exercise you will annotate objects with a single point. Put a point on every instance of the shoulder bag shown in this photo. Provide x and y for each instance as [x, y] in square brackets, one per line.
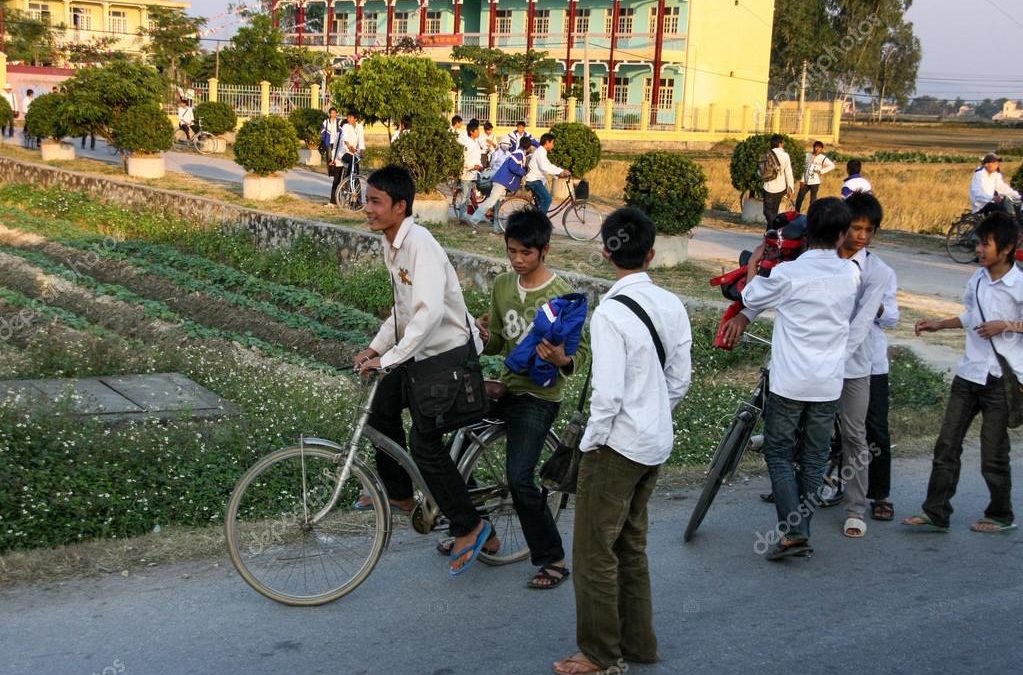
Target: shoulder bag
[1010, 383]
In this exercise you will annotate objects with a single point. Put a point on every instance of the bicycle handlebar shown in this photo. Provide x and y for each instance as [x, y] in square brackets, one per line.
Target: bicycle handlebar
[750, 337]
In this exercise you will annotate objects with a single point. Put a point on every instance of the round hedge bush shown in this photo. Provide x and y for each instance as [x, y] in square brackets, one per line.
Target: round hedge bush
[431, 153]
[216, 117]
[144, 129]
[746, 157]
[1017, 179]
[576, 147]
[266, 145]
[308, 122]
[670, 188]
[45, 119]
[6, 114]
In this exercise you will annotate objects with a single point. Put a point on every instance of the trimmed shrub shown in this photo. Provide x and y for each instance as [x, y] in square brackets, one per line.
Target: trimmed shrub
[670, 188]
[6, 114]
[266, 145]
[576, 147]
[44, 118]
[144, 128]
[1017, 180]
[431, 153]
[307, 123]
[216, 117]
[747, 155]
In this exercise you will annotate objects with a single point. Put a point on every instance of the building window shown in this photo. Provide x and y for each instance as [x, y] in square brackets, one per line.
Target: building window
[401, 23]
[369, 24]
[118, 21]
[504, 22]
[39, 12]
[582, 21]
[625, 17]
[621, 90]
[671, 15]
[666, 95]
[152, 25]
[81, 18]
[541, 22]
[341, 24]
[432, 23]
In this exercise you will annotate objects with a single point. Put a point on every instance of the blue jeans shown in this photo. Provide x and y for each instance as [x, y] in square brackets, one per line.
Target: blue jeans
[542, 194]
[528, 419]
[786, 444]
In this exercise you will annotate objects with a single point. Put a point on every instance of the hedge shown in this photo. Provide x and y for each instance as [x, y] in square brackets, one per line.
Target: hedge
[216, 117]
[576, 147]
[668, 186]
[44, 118]
[266, 145]
[144, 128]
[747, 155]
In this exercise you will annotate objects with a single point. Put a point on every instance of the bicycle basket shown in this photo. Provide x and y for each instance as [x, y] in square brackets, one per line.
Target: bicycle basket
[582, 190]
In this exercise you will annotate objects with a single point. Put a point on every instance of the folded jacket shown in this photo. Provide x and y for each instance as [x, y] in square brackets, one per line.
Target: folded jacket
[558, 321]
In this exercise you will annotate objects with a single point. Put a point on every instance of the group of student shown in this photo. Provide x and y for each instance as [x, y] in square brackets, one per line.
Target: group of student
[343, 142]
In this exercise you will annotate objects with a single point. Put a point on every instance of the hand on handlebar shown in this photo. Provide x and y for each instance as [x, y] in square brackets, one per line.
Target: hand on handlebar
[734, 329]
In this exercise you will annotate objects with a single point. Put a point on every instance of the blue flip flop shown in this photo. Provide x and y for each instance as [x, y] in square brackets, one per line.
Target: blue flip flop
[481, 539]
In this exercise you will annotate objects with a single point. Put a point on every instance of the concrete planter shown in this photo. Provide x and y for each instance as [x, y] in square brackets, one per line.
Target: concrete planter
[431, 208]
[671, 250]
[229, 137]
[146, 166]
[307, 157]
[559, 188]
[218, 145]
[262, 188]
[753, 211]
[54, 151]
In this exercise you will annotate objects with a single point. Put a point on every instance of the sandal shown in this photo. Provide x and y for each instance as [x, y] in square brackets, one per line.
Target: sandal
[882, 511]
[578, 664]
[473, 550]
[991, 526]
[923, 522]
[543, 579]
[854, 528]
[790, 547]
[445, 545]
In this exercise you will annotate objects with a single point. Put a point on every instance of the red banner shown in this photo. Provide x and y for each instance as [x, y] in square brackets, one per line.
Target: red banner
[438, 40]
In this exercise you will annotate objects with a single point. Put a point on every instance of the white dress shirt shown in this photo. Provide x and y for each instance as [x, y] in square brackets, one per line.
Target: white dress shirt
[874, 280]
[186, 115]
[471, 156]
[984, 186]
[784, 181]
[11, 99]
[855, 183]
[816, 166]
[351, 141]
[814, 296]
[428, 302]
[26, 103]
[333, 129]
[1001, 300]
[889, 319]
[540, 166]
[633, 397]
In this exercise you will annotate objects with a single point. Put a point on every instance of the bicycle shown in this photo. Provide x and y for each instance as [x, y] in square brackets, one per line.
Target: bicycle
[581, 218]
[201, 141]
[294, 534]
[961, 238]
[351, 192]
[476, 197]
[739, 438]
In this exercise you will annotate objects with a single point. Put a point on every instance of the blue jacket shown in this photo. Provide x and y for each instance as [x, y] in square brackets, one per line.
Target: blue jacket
[558, 320]
[512, 170]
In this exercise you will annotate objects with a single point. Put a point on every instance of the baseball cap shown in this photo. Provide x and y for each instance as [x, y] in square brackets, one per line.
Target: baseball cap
[991, 157]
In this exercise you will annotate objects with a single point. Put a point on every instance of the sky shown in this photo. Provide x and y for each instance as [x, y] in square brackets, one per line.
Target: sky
[971, 48]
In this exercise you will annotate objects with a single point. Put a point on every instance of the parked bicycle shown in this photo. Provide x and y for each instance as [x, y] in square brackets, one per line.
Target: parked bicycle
[294, 534]
[351, 191]
[581, 218]
[961, 238]
[201, 141]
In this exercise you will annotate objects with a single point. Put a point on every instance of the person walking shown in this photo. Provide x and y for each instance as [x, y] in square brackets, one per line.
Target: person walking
[330, 130]
[472, 163]
[642, 368]
[12, 100]
[776, 171]
[817, 164]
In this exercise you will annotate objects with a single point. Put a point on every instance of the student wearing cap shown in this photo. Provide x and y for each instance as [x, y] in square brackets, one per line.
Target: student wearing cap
[988, 188]
[12, 101]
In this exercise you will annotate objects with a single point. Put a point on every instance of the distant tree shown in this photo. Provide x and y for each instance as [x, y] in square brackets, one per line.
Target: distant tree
[29, 40]
[492, 70]
[256, 53]
[172, 36]
[989, 108]
[894, 74]
[96, 97]
[98, 50]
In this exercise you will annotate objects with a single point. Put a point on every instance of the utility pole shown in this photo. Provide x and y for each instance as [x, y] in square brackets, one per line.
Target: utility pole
[3, 27]
[802, 92]
[217, 70]
[586, 78]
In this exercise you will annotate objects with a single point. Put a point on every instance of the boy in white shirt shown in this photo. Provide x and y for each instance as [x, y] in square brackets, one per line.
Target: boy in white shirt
[429, 317]
[993, 320]
[782, 184]
[855, 182]
[817, 164]
[186, 118]
[540, 167]
[640, 375]
[472, 163]
[814, 297]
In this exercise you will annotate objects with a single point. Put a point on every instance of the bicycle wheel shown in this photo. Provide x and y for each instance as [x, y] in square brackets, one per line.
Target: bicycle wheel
[582, 220]
[292, 531]
[483, 467]
[960, 242]
[352, 200]
[204, 142]
[726, 459]
[510, 206]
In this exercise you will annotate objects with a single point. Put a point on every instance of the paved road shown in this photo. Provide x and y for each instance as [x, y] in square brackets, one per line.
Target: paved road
[896, 602]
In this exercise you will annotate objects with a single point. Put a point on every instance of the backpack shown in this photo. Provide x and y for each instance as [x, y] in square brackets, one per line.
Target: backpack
[769, 166]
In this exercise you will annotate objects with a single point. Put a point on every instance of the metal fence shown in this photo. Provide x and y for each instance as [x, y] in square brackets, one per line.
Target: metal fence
[510, 112]
[597, 117]
[549, 113]
[474, 107]
[243, 98]
[626, 116]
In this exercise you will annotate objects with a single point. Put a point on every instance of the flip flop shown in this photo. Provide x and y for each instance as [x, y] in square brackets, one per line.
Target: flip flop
[475, 549]
[926, 525]
[855, 524]
[445, 545]
[994, 526]
[578, 664]
[800, 549]
[882, 511]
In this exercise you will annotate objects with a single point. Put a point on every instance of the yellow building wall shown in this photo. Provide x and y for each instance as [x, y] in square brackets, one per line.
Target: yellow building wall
[729, 57]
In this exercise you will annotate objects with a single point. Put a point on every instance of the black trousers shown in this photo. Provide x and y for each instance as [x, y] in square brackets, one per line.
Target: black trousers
[965, 401]
[772, 204]
[429, 453]
[879, 439]
[348, 163]
[803, 189]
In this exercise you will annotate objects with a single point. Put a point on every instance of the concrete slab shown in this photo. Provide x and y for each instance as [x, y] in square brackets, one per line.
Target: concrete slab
[88, 396]
[163, 392]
